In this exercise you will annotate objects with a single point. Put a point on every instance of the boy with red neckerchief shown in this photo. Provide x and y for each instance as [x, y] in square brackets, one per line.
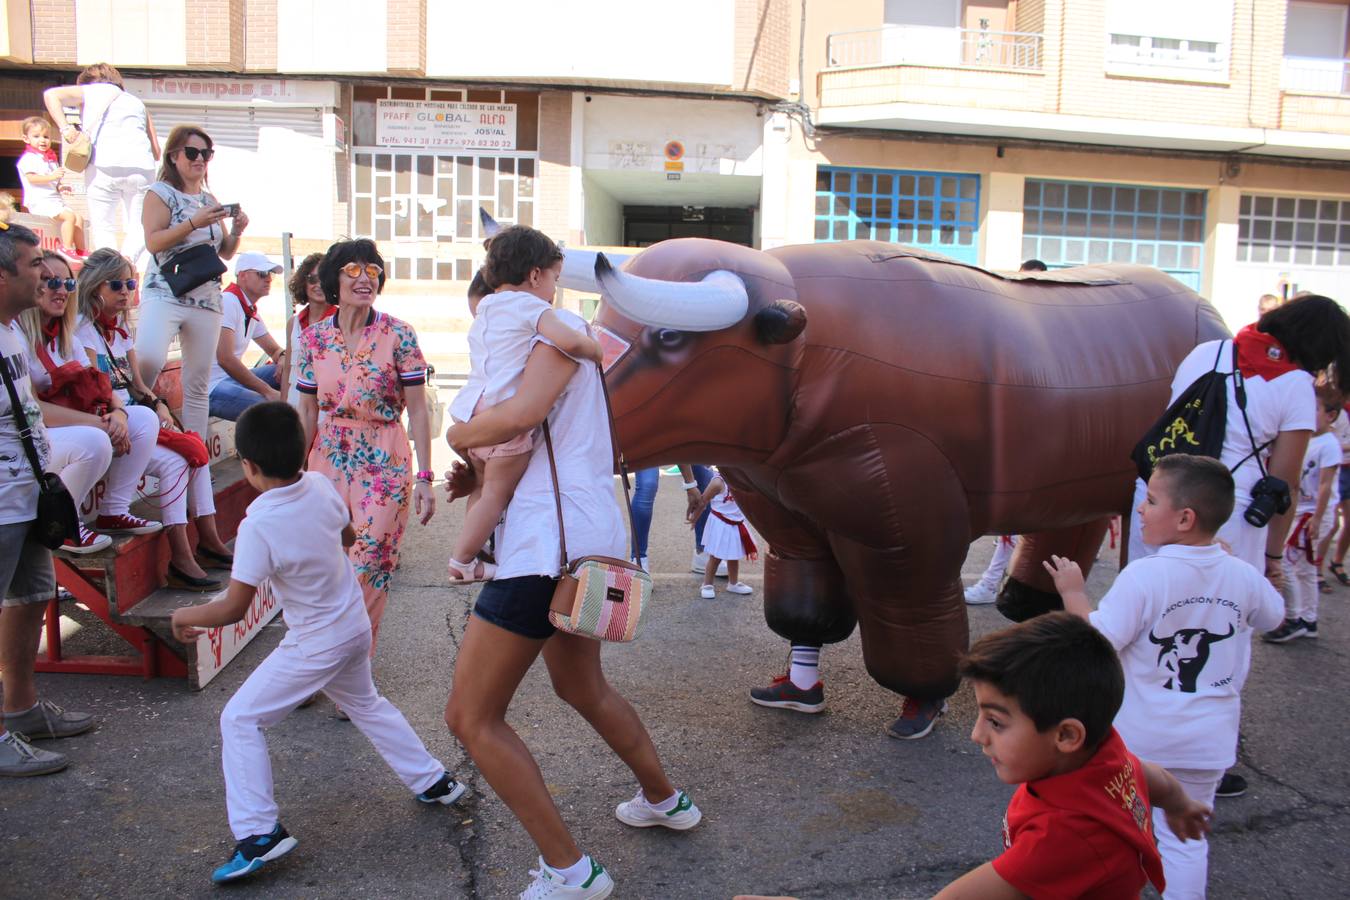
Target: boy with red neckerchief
[1080, 823]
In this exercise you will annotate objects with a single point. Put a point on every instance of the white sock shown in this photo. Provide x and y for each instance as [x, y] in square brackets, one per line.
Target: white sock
[577, 873]
[803, 673]
[665, 805]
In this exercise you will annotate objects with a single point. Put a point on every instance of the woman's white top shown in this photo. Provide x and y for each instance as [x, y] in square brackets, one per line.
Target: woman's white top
[527, 539]
[42, 379]
[183, 207]
[121, 138]
[500, 339]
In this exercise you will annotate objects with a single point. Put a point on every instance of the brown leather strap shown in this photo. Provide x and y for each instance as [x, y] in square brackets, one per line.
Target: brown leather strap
[619, 464]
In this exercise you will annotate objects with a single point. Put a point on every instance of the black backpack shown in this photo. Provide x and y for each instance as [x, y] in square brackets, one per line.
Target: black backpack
[1195, 423]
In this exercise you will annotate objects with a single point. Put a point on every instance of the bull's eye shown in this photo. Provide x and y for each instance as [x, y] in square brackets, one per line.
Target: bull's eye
[669, 338]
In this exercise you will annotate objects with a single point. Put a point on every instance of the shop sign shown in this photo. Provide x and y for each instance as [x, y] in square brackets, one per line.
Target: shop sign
[445, 125]
[234, 91]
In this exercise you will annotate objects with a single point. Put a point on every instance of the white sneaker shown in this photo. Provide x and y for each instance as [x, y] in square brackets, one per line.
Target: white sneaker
[737, 587]
[640, 814]
[548, 883]
[707, 592]
[978, 594]
[721, 570]
[646, 564]
[699, 562]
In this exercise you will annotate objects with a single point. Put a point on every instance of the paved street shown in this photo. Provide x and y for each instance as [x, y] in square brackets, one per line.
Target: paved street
[814, 806]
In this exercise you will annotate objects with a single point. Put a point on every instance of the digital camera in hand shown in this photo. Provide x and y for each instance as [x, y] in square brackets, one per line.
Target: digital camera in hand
[1270, 496]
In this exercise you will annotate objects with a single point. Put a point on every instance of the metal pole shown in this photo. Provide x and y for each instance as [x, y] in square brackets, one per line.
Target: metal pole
[287, 306]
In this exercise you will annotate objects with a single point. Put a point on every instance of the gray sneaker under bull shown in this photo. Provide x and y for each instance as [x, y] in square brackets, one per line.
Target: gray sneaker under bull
[18, 758]
[47, 720]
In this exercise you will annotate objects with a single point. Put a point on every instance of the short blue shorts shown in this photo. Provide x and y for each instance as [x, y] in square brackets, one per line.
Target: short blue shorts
[519, 605]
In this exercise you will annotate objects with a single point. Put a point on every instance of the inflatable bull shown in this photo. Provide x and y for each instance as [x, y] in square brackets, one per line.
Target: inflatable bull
[876, 408]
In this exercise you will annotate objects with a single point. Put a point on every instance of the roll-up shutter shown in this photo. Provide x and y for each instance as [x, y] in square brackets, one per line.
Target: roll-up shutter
[234, 126]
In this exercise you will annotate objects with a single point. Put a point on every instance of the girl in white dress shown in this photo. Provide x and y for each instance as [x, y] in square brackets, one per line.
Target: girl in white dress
[725, 537]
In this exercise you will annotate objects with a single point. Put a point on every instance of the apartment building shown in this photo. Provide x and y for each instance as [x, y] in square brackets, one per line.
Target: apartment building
[1210, 138]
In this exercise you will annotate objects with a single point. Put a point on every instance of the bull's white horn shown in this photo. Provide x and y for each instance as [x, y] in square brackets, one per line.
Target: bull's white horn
[578, 271]
[718, 301]
[490, 225]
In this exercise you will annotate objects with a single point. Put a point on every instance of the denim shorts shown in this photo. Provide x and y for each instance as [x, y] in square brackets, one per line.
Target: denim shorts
[519, 605]
[26, 574]
[1344, 482]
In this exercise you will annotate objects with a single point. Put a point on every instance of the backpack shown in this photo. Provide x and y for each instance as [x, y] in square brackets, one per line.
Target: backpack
[1195, 423]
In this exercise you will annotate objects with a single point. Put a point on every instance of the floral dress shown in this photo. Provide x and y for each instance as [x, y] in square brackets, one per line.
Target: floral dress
[361, 443]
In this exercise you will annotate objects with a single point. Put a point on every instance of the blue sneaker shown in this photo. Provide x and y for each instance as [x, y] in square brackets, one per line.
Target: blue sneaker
[446, 791]
[252, 853]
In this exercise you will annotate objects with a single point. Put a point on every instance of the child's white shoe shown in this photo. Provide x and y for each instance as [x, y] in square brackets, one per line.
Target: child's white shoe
[707, 592]
[739, 587]
[470, 572]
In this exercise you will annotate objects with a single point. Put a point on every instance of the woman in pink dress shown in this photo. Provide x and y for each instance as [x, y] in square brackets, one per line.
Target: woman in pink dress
[361, 368]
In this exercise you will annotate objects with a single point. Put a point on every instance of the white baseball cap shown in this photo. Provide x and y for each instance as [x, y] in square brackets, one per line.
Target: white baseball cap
[253, 261]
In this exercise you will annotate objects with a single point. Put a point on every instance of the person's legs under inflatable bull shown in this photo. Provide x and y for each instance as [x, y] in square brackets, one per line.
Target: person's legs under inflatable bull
[1029, 590]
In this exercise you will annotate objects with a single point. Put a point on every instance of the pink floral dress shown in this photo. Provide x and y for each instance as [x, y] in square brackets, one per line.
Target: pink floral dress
[361, 442]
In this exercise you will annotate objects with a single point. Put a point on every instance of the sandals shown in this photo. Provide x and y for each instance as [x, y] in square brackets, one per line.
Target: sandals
[471, 573]
[1338, 570]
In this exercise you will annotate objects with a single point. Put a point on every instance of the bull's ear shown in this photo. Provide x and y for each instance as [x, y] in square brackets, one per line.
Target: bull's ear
[780, 322]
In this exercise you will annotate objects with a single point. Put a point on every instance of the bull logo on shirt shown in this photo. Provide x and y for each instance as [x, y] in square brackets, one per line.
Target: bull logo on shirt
[1183, 655]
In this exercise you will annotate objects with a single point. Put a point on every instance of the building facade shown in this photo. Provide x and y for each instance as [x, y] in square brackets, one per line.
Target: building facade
[1210, 139]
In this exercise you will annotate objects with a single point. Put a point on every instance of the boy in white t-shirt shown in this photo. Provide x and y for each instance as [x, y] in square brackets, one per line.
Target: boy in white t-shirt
[327, 644]
[1314, 517]
[511, 303]
[1181, 621]
[44, 189]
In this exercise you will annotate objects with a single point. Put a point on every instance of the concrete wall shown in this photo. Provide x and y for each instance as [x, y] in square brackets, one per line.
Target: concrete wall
[604, 215]
[719, 136]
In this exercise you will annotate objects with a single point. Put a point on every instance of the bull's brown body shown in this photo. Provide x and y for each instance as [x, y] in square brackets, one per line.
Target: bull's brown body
[926, 403]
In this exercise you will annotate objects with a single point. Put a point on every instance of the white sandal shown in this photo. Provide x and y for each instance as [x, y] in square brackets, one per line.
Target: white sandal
[472, 572]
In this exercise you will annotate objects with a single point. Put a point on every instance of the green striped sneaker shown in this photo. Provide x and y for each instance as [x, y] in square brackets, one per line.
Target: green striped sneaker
[641, 814]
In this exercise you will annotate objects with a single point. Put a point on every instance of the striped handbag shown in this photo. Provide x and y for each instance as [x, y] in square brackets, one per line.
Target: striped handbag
[598, 596]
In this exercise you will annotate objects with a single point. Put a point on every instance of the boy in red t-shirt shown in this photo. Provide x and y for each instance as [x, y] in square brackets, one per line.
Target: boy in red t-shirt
[1080, 823]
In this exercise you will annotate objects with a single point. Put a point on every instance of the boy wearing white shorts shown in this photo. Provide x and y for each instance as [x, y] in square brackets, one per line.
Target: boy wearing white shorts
[327, 645]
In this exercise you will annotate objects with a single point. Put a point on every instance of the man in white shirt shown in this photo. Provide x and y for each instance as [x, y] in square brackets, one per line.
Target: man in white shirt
[26, 577]
[235, 387]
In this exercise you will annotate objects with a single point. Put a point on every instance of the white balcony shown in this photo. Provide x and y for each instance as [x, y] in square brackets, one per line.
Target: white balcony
[922, 45]
[1311, 75]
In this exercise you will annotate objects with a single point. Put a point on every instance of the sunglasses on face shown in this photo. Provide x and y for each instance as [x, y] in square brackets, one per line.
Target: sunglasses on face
[354, 270]
[55, 283]
[117, 284]
[193, 152]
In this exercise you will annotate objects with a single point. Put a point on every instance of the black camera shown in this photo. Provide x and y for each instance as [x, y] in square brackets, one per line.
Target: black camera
[1270, 496]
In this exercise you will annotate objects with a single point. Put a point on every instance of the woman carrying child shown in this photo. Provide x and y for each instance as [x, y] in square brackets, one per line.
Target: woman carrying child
[505, 325]
[106, 286]
[510, 628]
[359, 370]
[725, 537]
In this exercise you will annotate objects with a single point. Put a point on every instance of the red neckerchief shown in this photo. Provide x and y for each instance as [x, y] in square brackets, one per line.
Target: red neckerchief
[250, 311]
[108, 324]
[49, 154]
[303, 315]
[52, 331]
[1260, 354]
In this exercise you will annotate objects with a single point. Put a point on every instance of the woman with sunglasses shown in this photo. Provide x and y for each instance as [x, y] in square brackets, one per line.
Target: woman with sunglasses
[105, 288]
[360, 369]
[180, 216]
[83, 441]
[311, 307]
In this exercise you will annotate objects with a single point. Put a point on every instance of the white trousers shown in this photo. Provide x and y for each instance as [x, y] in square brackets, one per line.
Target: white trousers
[1300, 589]
[124, 472]
[80, 455]
[998, 563]
[279, 685]
[1186, 865]
[110, 191]
[182, 489]
[198, 332]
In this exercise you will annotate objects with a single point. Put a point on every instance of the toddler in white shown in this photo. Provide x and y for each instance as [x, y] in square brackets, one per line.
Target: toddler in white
[327, 643]
[726, 536]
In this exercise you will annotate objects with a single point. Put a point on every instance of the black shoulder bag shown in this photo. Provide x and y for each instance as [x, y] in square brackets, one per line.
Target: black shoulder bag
[56, 518]
[1195, 423]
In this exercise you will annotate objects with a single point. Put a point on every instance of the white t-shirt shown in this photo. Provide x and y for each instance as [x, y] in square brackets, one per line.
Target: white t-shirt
[725, 503]
[121, 139]
[1340, 426]
[40, 199]
[232, 320]
[18, 485]
[527, 540]
[42, 379]
[308, 568]
[109, 355]
[500, 340]
[1181, 621]
[1324, 451]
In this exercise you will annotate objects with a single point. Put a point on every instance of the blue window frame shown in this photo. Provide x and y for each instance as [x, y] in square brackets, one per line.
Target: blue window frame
[1074, 223]
[936, 211]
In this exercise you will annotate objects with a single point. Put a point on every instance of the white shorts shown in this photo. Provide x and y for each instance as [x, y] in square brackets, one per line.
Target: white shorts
[51, 208]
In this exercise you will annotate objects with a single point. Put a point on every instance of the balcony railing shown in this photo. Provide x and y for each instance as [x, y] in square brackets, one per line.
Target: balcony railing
[921, 45]
[1303, 74]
